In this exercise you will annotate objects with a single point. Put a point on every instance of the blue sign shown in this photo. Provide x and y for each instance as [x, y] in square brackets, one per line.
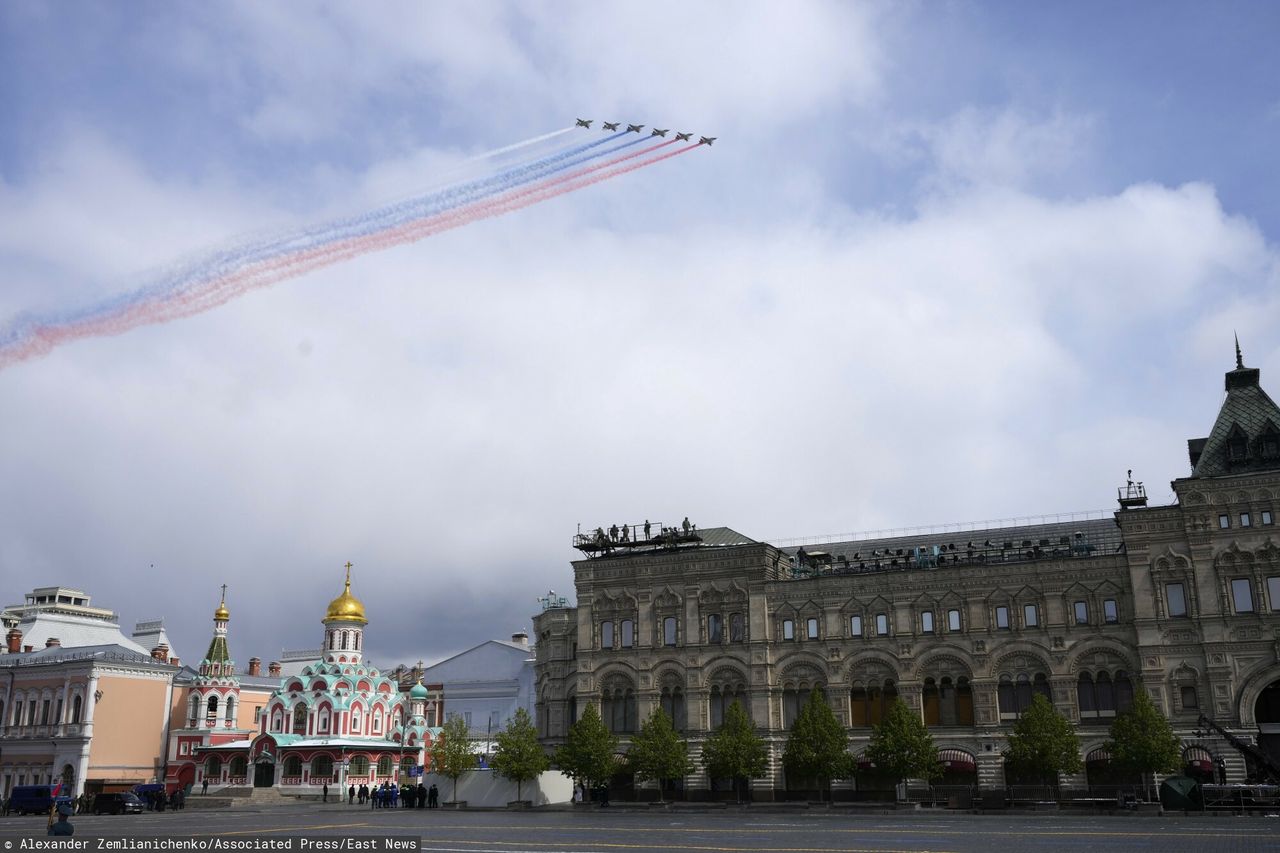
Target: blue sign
[415, 771]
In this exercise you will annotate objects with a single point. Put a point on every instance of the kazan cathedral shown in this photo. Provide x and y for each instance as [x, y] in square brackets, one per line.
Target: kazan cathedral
[337, 722]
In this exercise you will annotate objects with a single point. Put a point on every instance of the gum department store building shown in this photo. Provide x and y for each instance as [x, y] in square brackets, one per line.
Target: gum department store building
[1181, 601]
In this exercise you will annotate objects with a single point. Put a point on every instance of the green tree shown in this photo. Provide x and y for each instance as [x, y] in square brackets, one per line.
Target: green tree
[1043, 743]
[519, 757]
[451, 754]
[588, 750]
[657, 752]
[817, 746]
[1142, 741]
[735, 751]
[901, 747]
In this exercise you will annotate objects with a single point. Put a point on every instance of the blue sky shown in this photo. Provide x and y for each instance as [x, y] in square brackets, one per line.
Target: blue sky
[947, 262]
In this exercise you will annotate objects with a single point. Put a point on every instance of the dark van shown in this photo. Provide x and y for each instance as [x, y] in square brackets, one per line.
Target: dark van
[26, 799]
[124, 802]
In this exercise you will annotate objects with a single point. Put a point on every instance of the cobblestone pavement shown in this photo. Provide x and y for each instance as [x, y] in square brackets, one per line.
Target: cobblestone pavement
[622, 829]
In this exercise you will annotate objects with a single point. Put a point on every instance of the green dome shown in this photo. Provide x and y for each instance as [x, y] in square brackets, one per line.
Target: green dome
[419, 691]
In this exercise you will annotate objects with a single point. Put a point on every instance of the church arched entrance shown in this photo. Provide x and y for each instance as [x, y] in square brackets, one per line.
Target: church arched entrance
[187, 778]
[1267, 712]
[264, 774]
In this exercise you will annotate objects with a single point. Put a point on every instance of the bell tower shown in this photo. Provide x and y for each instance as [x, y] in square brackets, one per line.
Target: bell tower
[344, 623]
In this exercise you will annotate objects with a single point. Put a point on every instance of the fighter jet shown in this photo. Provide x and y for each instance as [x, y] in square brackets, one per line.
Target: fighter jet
[584, 122]
[706, 140]
[611, 125]
[635, 128]
[657, 132]
[680, 136]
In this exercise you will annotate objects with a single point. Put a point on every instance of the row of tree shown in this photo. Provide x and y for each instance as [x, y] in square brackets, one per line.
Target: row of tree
[1042, 746]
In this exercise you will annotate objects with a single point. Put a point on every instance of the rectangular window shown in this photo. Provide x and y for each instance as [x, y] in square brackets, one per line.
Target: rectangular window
[1082, 612]
[1189, 697]
[1245, 520]
[736, 632]
[1224, 521]
[606, 635]
[953, 620]
[1242, 595]
[926, 621]
[882, 624]
[669, 631]
[1266, 517]
[1110, 612]
[811, 628]
[788, 629]
[1177, 599]
[1002, 617]
[1030, 617]
[1273, 592]
[628, 633]
[855, 624]
[715, 628]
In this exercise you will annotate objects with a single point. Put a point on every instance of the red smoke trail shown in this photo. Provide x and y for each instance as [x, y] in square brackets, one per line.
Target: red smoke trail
[44, 339]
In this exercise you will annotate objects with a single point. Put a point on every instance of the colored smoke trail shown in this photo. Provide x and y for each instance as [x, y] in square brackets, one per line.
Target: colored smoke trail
[224, 275]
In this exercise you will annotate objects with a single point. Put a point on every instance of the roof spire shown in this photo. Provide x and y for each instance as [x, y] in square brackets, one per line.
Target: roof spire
[1239, 358]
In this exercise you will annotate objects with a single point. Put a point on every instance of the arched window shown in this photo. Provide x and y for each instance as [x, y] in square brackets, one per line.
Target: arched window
[77, 708]
[300, 719]
[231, 710]
[947, 702]
[618, 709]
[669, 631]
[321, 767]
[355, 720]
[674, 706]
[794, 697]
[1015, 693]
[723, 695]
[628, 633]
[213, 767]
[239, 766]
[869, 702]
[1124, 692]
[385, 766]
[211, 710]
[1086, 698]
[737, 628]
[193, 710]
[292, 766]
[1106, 694]
[359, 766]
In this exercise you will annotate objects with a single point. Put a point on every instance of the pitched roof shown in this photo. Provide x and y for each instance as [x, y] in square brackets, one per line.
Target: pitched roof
[1247, 413]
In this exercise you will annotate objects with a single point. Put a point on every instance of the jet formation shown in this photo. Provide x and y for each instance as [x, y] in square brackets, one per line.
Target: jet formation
[681, 136]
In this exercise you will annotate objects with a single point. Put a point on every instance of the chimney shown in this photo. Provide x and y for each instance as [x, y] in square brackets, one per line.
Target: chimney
[273, 668]
[160, 653]
[52, 643]
[27, 648]
[175, 662]
[520, 638]
[13, 641]
[255, 666]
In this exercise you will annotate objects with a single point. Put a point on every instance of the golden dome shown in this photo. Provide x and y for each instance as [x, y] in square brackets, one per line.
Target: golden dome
[222, 614]
[346, 607]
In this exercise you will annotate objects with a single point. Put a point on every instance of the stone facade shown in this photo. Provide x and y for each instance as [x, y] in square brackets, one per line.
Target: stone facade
[1181, 601]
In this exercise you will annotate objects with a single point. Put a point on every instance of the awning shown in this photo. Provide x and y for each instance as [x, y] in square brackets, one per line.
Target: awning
[957, 759]
[864, 763]
[1198, 757]
[1099, 756]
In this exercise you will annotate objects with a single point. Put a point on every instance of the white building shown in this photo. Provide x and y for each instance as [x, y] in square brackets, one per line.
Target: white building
[486, 684]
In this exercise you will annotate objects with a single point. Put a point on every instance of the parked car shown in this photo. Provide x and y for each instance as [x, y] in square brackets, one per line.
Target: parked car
[121, 803]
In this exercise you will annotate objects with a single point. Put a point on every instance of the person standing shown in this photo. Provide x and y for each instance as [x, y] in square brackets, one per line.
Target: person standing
[204, 787]
[351, 795]
[433, 796]
[325, 794]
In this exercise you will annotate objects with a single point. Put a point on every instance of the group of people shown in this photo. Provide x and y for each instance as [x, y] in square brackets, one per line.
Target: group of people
[156, 801]
[389, 795]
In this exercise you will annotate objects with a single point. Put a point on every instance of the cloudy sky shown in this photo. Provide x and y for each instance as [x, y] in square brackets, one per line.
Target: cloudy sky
[947, 262]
